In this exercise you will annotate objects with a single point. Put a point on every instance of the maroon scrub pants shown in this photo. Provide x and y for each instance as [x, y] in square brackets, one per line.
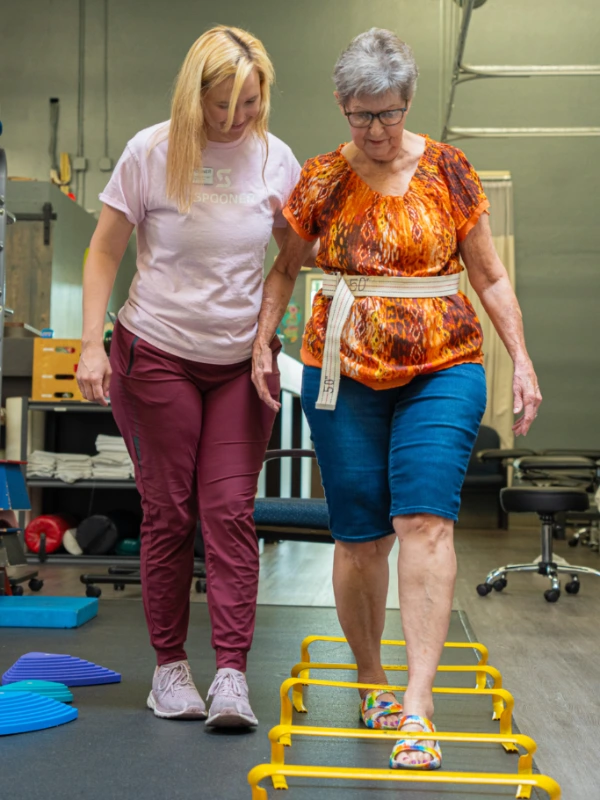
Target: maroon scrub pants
[197, 434]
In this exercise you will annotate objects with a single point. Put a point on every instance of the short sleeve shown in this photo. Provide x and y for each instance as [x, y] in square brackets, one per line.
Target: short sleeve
[467, 198]
[125, 189]
[304, 205]
[292, 171]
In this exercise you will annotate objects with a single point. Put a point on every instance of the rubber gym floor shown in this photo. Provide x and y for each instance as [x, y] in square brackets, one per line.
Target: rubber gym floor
[118, 750]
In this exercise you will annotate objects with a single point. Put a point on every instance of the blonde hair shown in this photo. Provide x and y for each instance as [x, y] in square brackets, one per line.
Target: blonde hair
[218, 54]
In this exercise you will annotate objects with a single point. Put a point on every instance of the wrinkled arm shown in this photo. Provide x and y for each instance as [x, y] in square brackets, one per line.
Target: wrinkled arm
[277, 291]
[279, 235]
[490, 280]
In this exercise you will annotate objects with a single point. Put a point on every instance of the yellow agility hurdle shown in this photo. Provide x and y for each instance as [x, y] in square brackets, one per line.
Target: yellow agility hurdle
[280, 732]
[501, 699]
[302, 670]
[259, 773]
[477, 646]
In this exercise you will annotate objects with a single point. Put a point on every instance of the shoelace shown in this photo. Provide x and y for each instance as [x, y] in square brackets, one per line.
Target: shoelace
[179, 677]
[229, 684]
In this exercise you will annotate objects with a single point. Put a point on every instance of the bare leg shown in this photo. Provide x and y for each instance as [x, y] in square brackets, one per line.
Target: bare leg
[360, 584]
[426, 577]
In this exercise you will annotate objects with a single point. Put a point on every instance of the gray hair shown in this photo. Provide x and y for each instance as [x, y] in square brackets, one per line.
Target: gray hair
[376, 62]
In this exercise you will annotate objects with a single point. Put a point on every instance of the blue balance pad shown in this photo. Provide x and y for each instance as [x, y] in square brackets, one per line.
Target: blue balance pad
[22, 712]
[57, 691]
[61, 668]
[46, 612]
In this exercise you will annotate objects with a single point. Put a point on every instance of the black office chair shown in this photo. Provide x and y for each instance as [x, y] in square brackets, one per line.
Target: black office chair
[296, 518]
[546, 502]
[586, 524]
[489, 460]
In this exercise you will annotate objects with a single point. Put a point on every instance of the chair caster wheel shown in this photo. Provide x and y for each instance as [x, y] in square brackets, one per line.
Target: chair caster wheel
[17, 591]
[201, 586]
[573, 542]
[552, 595]
[119, 587]
[484, 589]
[573, 587]
[36, 585]
[500, 584]
[92, 591]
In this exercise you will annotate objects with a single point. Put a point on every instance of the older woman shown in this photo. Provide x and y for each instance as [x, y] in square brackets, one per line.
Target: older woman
[394, 212]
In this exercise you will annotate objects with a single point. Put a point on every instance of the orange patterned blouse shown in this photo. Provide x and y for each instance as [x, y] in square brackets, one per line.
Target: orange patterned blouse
[387, 341]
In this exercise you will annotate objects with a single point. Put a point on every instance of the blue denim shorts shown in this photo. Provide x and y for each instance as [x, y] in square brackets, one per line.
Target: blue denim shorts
[390, 452]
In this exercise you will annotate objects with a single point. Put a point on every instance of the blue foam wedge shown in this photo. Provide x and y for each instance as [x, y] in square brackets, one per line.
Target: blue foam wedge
[57, 691]
[60, 668]
[33, 611]
[23, 712]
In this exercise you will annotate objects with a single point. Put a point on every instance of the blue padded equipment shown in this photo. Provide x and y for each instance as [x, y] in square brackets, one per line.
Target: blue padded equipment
[23, 712]
[292, 512]
[61, 668]
[33, 611]
[57, 691]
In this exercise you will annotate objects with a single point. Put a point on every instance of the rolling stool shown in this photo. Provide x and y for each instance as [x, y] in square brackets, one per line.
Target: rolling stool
[546, 501]
[588, 532]
[557, 470]
[566, 469]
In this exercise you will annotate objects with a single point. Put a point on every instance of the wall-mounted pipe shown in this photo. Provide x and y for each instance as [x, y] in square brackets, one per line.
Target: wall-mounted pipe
[80, 174]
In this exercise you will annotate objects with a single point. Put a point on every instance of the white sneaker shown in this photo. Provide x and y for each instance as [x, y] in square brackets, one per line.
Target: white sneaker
[230, 707]
[174, 695]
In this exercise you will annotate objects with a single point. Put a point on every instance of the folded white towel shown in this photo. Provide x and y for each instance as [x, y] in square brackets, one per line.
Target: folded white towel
[112, 460]
[110, 444]
[40, 472]
[73, 458]
[72, 475]
[41, 464]
[106, 473]
[41, 457]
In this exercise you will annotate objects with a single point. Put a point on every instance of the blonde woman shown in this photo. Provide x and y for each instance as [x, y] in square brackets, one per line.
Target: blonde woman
[205, 191]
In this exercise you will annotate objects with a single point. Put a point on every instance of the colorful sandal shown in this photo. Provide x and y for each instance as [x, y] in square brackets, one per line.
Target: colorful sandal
[414, 745]
[385, 708]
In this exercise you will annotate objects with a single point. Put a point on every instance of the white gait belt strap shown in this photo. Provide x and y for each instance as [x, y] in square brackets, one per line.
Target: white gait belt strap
[343, 289]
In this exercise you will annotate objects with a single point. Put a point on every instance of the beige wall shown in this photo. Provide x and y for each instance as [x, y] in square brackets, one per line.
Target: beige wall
[556, 180]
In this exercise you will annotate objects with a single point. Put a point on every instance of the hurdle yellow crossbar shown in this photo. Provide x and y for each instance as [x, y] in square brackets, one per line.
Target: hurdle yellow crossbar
[477, 646]
[302, 670]
[501, 698]
[280, 732]
[262, 771]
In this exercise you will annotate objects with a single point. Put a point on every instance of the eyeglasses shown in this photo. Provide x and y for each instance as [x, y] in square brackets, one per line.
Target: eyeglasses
[364, 119]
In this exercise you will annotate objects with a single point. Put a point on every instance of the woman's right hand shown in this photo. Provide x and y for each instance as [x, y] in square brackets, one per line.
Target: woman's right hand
[93, 373]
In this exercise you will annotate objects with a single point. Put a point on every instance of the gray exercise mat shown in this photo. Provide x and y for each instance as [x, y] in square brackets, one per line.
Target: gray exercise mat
[118, 750]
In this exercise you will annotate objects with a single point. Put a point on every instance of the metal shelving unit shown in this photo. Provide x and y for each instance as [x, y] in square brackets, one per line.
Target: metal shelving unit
[6, 218]
[66, 407]
[71, 408]
[461, 73]
[97, 483]
[17, 558]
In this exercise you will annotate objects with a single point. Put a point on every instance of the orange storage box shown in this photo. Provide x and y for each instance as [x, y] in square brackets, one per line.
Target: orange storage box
[54, 366]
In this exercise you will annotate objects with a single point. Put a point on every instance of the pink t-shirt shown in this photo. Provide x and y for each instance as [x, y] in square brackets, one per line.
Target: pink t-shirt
[198, 287]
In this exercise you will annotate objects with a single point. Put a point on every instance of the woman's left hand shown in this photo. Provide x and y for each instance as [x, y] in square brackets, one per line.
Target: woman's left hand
[262, 367]
[527, 396]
